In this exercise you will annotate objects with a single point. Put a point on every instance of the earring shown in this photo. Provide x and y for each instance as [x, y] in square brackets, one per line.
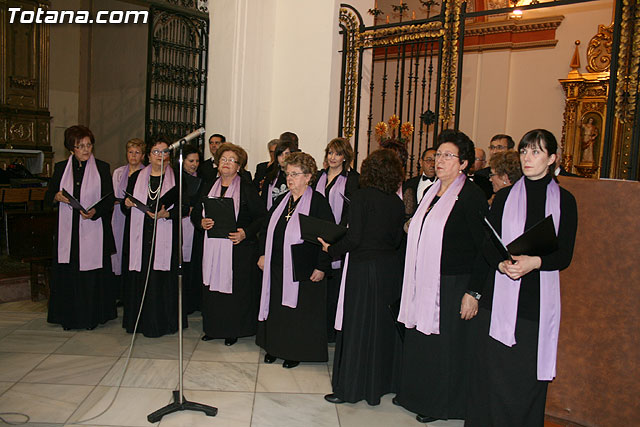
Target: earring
[504, 182]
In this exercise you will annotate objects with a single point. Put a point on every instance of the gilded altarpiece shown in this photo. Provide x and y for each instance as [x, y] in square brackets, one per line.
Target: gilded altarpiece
[24, 83]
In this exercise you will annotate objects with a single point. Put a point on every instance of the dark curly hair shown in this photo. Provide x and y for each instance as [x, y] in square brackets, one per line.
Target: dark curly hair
[466, 148]
[74, 134]
[383, 170]
[398, 146]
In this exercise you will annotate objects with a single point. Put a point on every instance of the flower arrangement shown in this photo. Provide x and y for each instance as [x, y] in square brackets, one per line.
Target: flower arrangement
[395, 136]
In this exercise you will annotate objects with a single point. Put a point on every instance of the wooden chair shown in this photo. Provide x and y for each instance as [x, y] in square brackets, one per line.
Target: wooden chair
[37, 195]
[12, 199]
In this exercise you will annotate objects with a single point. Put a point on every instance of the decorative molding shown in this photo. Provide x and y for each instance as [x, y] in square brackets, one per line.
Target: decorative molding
[513, 26]
[599, 50]
[22, 82]
[511, 34]
[395, 35]
[450, 52]
[628, 62]
[351, 23]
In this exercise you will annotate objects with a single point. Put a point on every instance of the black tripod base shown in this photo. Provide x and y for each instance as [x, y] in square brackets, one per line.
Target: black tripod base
[184, 406]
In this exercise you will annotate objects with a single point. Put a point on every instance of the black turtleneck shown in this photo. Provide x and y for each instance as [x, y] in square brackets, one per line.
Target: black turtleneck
[529, 297]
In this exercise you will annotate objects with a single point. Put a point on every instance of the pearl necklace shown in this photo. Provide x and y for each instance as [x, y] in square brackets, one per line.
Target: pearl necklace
[153, 194]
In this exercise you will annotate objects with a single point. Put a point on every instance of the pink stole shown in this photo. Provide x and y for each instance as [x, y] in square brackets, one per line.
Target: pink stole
[420, 301]
[90, 235]
[335, 198]
[187, 235]
[217, 258]
[164, 231]
[292, 236]
[506, 291]
[120, 181]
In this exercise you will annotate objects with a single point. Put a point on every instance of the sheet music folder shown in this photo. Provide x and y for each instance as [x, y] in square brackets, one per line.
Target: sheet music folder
[539, 240]
[142, 206]
[75, 203]
[304, 257]
[311, 228]
[222, 212]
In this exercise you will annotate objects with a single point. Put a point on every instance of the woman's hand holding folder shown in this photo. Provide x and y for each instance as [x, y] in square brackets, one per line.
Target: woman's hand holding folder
[207, 223]
[522, 265]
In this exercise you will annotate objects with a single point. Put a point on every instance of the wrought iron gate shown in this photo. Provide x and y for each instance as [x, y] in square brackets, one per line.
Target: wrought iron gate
[176, 73]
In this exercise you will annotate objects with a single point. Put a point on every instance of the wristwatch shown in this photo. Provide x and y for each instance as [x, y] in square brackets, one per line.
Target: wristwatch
[474, 294]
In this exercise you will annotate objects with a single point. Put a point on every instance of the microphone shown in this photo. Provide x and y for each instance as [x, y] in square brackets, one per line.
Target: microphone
[192, 135]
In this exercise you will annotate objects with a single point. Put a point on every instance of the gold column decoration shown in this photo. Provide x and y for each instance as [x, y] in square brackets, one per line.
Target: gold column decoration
[351, 24]
[450, 52]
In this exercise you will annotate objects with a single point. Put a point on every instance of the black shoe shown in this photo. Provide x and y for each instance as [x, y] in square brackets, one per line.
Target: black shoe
[206, 338]
[425, 419]
[230, 341]
[288, 364]
[269, 358]
[91, 328]
[332, 398]
[395, 401]
[64, 328]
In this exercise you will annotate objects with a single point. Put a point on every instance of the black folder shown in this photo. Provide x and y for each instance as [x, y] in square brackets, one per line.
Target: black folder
[75, 203]
[305, 258]
[142, 206]
[539, 240]
[311, 228]
[222, 212]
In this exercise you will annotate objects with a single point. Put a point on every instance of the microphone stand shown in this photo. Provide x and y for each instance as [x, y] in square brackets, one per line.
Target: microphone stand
[179, 402]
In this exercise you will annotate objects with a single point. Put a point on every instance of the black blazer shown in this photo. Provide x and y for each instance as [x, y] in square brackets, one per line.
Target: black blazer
[261, 173]
[352, 184]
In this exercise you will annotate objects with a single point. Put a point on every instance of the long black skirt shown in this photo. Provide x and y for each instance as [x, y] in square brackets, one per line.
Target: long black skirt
[192, 271]
[296, 333]
[504, 389]
[333, 288]
[434, 379]
[236, 314]
[368, 349]
[81, 299]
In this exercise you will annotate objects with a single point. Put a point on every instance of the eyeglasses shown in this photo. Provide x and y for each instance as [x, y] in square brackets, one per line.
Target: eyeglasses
[83, 146]
[497, 147]
[293, 174]
[228, 160]
[429, 160]
[446, 156]
[478, 159]
[157, 152]
[491, 175]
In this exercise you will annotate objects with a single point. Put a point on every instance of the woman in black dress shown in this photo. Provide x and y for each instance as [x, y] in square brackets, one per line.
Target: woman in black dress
[229, 271]
[444, 239]
[275, 182]
[368, 345]
[516, 332]
[192, 237]
[154, 185]
[337, 183]
[82, 285]
[292, 313]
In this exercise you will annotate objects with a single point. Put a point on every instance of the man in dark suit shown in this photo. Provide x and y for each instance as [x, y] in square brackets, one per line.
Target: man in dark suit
[498, 143]
[416, 187]
[208, 170]
[480, 180]
[261, 168]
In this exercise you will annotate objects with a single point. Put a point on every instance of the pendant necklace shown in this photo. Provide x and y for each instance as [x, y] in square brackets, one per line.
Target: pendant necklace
[290, 209]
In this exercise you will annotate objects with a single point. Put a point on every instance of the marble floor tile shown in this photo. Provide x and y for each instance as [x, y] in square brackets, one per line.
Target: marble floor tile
[23, 341]
[44, 403]
[234, 410]
[383, 415]
[16, 319]
[70, 369]
[244, 351]
[144, 373]
[41, 324]
[5, 331]
[26, 306]
[4, 386]
[14, 366]
[292, 410]
[91, 343]
[130, 408]
[223, 376]
[195, 327]
[165, 347]
[301, 379]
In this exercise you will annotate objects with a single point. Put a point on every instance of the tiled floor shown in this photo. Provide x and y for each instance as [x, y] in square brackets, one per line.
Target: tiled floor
[59, 378]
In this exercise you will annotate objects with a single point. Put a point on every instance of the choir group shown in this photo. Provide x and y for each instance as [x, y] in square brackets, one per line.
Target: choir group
[418, 300]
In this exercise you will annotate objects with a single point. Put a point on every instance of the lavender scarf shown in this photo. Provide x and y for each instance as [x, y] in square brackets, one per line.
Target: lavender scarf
[120, 180]
[164, 237]
[506, 291]
[217, 258]
[340, 308]
[291, 237]
[187, 235]
[420, 301]
[90, 231]
[336, 200]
